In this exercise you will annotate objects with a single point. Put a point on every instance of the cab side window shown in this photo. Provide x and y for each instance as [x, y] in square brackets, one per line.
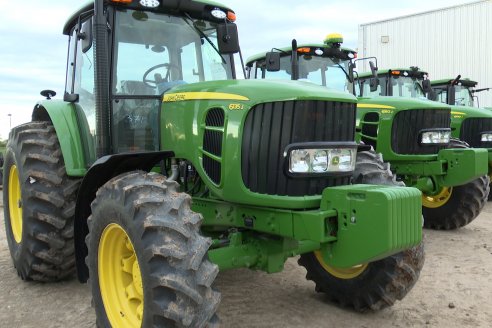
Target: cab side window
[80, 81]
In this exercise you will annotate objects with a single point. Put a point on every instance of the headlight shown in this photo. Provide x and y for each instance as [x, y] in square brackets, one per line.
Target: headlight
[435, 137]
[487, 137]
[325, 158]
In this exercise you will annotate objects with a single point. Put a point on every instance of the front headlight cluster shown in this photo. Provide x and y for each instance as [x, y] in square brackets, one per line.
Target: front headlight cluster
[319, 160]
[486, 137]
[435, 137]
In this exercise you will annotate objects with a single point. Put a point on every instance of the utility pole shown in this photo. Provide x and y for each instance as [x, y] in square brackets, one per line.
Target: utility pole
[10, 121]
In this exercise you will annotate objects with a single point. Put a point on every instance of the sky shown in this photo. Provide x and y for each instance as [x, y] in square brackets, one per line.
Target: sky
[33, 48]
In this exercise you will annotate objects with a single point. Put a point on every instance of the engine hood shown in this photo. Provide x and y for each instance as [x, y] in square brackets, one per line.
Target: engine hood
[400, 103]
[252, 92]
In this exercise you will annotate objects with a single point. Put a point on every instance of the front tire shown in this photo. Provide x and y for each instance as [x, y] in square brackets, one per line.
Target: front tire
[455, 207]
[373, 285]
[147, 260]
[39, 203]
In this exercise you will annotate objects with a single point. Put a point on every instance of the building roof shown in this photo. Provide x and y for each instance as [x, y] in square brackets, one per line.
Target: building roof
[424, 12]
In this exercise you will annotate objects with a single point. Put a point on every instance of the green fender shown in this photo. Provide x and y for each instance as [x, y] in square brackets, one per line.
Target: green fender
[63, 115]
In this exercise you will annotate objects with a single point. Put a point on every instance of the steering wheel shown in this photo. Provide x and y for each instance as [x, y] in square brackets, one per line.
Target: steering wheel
[154, 83]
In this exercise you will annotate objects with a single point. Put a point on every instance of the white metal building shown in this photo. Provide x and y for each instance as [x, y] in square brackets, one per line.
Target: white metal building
[445, 42]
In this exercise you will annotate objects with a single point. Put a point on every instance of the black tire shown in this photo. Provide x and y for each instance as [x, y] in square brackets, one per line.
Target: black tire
[175, 271]
[464, 204]
[380, 284]
[46, 250]
[1, 169]
[370, 169]
[489, 196]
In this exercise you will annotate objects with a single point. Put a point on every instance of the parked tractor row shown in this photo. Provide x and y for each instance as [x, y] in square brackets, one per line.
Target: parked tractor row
[428, 145]
[159, 168]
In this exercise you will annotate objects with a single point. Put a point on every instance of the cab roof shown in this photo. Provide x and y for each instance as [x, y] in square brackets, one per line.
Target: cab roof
[386, 71]
[88, 8]
[288, 50]
[465, 82]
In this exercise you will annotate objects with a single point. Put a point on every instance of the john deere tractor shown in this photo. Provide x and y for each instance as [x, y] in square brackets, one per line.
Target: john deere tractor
[469, 123]
[456, 205]
[158, 169]
[412, 134]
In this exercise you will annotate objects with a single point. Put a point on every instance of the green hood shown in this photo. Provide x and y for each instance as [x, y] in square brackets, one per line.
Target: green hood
[261, 91]
[403, 103]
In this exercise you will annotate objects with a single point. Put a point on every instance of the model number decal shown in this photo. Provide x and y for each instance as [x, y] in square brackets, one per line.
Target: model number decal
[386, 111]
[236, 106]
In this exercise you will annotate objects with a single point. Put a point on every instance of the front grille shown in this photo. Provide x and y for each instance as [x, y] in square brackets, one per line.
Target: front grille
[471, 131]
[369, 129]
[407, 126]
[270, 127]
[212, 143]
[215, 117]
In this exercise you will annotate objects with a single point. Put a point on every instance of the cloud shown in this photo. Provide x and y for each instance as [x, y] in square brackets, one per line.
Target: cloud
[33, 55]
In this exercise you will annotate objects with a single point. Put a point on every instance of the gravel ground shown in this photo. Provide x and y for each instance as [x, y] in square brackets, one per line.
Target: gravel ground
[454, 290]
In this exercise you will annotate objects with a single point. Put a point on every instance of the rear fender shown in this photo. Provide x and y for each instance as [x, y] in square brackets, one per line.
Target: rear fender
[63, 116]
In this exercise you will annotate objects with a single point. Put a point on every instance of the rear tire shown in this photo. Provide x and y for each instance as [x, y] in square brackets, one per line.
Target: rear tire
[39, 203]
[375, 285]
[175, 274]
[456, 207]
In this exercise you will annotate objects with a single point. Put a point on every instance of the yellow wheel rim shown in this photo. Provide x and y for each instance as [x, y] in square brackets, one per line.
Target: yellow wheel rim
[120, 280]
[438, 200]
[341, 273]
[15, 204]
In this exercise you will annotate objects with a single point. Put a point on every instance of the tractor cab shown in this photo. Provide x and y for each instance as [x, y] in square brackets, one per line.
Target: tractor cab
[150, 48]
[326, 64]
[402, 82]
[457, 91]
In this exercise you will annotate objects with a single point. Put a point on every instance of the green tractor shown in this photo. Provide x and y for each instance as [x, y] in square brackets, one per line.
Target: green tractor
[412, 134]
[468, 123]
[158, 169]
[457, 205]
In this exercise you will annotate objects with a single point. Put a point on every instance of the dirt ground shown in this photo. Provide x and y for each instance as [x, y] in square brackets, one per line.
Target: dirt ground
[454, 290]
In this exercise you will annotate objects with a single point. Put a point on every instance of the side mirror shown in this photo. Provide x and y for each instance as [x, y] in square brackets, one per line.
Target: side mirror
[426, 86]
[85, 35]
[432, 95]
[374, 69]
[228, 38]
[373, 84]
[272, 61]
[351, 72]
[374, 81]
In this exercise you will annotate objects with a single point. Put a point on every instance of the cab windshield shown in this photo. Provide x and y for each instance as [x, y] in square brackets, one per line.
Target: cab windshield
[396, 86]
[325, 71]
[462, 96]
[405, 86]
[154, 52]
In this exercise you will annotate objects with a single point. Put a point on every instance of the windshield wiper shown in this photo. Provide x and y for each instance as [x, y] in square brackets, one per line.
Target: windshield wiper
[203, 35]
